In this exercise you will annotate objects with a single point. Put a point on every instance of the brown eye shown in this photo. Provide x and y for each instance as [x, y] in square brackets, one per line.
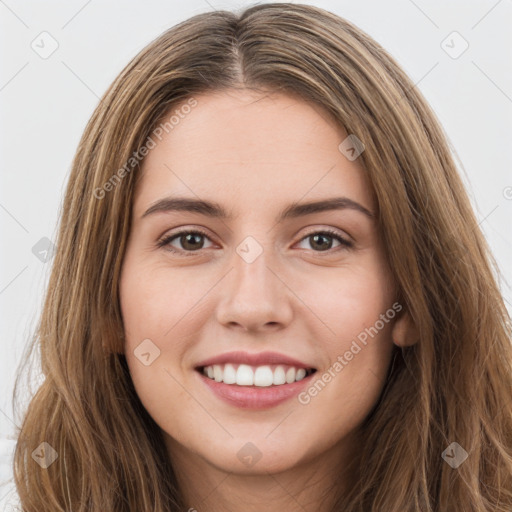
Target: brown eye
[189, 241]
[322, 241]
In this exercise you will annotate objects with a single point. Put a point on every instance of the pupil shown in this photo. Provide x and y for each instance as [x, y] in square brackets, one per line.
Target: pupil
[317, 237]
[190, 239]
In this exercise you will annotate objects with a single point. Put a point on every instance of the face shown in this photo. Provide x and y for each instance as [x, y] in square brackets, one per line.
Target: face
[268, 291]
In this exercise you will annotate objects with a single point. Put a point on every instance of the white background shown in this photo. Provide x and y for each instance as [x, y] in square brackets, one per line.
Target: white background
[45, 104]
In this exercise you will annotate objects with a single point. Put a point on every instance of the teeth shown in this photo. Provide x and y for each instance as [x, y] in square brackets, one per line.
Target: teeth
[279, 376]
[290, 375]
[229, 376]
[261, 376]
[244, 375]
[217, 372]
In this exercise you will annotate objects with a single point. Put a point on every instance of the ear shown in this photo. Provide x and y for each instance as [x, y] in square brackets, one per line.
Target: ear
[404, 332]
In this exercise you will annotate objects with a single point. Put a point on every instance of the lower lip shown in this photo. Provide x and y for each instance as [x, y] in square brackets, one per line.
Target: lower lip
[255, 397]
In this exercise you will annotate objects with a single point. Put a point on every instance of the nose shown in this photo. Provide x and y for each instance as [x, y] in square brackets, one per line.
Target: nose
[254, 296]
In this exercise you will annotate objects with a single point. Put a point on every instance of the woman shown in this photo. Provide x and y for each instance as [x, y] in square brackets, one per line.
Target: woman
[270, 290]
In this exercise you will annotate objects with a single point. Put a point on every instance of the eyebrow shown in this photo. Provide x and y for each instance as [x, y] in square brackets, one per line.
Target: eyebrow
[215, 210]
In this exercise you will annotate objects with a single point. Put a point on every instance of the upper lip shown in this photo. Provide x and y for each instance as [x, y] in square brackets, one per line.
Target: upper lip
[253, 359]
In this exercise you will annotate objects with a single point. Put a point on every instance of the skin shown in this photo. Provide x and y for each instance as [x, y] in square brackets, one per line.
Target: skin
[256, 154]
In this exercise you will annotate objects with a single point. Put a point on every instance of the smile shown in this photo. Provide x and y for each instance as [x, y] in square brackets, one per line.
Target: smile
[259, 376]
[254, 380]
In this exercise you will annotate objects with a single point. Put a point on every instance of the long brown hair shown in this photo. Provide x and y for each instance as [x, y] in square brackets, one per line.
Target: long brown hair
[453, 385]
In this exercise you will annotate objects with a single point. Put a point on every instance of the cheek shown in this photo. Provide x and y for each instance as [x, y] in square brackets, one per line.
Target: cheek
[153, 310]
[354, 332]
[348, 300]
[153, 301]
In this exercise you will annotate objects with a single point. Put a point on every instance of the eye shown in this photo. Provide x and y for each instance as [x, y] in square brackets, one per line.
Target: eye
[190, 241]
[320, 239]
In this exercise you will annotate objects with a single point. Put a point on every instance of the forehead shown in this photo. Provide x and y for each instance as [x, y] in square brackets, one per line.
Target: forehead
[251, 149]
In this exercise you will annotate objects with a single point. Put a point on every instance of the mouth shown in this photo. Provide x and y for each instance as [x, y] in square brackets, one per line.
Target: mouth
[254, 380]
[256, 376]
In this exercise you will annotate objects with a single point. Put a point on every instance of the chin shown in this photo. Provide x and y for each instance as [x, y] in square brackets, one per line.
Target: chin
[257, 457]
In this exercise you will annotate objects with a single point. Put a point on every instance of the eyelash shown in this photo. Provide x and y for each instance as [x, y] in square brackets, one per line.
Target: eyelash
[165, 241]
